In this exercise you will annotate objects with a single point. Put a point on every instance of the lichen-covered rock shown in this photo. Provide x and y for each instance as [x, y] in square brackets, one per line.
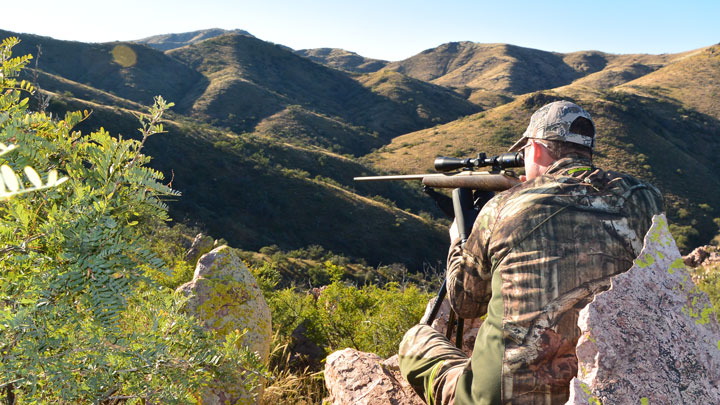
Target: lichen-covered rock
[225, 297]
[200, 245]
[652, 338]
[359, 378]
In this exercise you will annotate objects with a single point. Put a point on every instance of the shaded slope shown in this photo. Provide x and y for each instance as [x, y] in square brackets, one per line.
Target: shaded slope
[149, 72]
[57, 85]
[410, 103]
[255, 192]
[343, 60]
[299, 126]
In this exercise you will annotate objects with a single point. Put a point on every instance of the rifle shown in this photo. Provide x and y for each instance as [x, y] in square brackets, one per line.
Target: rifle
[472, 189]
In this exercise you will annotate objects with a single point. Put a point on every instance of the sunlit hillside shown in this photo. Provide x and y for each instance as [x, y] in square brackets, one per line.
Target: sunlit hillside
[264, 141]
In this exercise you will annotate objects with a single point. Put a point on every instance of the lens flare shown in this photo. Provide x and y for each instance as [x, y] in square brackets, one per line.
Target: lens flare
[124, 56]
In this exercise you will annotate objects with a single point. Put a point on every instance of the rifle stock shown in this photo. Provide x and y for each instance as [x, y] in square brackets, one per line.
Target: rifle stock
[472, 180]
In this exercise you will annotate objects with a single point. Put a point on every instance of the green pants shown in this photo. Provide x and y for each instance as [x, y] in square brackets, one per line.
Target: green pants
[431, 364]
[443, 374]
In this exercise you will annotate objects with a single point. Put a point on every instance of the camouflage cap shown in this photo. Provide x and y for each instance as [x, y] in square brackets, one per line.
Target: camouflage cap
[553, 122]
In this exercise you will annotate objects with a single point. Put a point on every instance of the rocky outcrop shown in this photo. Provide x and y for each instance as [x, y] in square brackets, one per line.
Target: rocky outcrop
[359, 378]
[703, 256]
[200, 245]
[225, 297]
[652, 338]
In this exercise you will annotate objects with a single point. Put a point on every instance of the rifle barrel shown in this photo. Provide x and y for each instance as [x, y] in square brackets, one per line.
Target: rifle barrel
[395, 177]
[465, 179]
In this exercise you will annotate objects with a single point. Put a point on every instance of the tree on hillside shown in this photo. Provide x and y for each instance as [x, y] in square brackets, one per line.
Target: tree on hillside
[81, 320]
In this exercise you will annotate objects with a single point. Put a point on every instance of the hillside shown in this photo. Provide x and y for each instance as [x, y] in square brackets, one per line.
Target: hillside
[492, 74]
[128, 70]
[691, 81]
[166, 42]
[343, 60]
[488, 71]
[256, 189]
[643, 136]
[249, 80]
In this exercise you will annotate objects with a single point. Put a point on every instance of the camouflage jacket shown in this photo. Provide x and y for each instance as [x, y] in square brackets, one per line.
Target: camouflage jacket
[537, 254]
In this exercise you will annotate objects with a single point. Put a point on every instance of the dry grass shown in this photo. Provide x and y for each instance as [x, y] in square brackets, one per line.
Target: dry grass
[288, 386]
[691, 81]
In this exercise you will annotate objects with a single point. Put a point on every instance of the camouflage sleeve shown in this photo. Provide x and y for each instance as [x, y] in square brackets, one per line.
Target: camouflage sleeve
[469, 269]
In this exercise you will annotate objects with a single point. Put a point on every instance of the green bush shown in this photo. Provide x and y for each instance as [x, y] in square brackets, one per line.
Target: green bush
[684, 236]
[81, 321]
[369, 318]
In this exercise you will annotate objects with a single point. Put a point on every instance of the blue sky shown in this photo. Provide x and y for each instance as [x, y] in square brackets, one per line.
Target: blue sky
[391, 30]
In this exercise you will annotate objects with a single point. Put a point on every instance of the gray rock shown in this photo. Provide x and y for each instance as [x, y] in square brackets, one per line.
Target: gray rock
[200, 245]
[225, 297]
[652, 338]
[359, 378]
[703, 256]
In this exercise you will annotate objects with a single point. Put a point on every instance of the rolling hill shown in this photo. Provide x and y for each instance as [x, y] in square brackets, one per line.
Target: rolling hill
[249, 80]
[166, 42]
[264, 142]
[258, 188]
[492, 74]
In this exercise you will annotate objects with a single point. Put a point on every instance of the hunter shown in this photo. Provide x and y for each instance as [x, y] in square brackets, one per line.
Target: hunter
[536, 255]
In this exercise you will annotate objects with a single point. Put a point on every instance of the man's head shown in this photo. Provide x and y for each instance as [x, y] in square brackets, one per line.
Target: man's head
[556, 130]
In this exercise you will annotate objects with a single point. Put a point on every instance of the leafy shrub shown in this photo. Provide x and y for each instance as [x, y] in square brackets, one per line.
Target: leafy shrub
[369, 318]
[80, 319]
[684, 236]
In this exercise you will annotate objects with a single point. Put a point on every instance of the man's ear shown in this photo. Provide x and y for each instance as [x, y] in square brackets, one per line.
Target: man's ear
[536, 151]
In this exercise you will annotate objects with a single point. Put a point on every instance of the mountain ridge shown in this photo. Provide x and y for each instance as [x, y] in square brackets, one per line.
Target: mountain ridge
[258, 126]
[166, 42]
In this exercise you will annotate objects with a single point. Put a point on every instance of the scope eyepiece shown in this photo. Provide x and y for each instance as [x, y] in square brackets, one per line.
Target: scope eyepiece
[510, 159]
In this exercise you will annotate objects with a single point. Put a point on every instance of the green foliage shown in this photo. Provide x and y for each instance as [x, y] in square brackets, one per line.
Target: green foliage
[335, 316]
[170, 244]
[708, 280]
[326, 273]
[368, 318]
[80, 321]
[684, 236]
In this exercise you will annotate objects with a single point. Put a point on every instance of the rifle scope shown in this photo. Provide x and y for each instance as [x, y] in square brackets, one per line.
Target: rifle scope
[500, 162]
